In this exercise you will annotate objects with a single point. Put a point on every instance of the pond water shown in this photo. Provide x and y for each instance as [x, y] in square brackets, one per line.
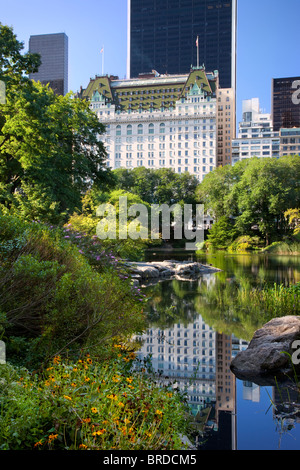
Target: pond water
[191, 343]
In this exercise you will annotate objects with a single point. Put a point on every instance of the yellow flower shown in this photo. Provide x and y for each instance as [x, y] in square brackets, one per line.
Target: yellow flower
[67, 398]
[82, 446]
[94, 410]
[56, 360]
[86, 420]
[99, 432]
[39, 443]
[120, 404]
[129, 379]
[52, 437]
[112, 397]
[158, 412]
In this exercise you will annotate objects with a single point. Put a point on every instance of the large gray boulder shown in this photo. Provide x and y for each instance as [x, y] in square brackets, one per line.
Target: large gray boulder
[266, 358]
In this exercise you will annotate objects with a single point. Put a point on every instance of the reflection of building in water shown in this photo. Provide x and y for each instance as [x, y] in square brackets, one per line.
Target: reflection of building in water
[251, 391]
[185, 352]
[196, 359]
[238, 345]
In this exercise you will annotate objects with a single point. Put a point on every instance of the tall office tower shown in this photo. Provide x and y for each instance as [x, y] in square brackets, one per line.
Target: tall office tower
[53, 49]
[285, 102]
[162, 36]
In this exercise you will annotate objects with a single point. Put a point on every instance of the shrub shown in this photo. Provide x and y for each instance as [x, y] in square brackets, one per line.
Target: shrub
[54, 300]
[245, 243]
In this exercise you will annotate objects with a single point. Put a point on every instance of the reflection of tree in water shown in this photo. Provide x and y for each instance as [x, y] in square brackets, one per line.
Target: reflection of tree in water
[171, 302]
[225, 300]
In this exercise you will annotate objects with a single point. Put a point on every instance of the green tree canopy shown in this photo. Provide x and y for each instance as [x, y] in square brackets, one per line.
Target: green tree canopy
[255, 192]
[50, 151]
[160, 186]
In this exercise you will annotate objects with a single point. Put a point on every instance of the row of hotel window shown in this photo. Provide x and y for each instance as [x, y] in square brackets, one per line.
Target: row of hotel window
[162, 127]
[162, 163]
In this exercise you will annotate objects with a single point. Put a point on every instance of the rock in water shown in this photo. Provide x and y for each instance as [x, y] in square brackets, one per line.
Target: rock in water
[265, 357]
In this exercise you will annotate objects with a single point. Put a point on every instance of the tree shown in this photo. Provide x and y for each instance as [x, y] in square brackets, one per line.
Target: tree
[215, 191]
[255, 192]
[267, 188]
[159, 186]
[222, 233]
[50, 152]
[13, 64]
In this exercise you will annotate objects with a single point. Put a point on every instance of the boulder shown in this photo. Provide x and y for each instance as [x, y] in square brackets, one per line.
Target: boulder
[169, 268]
[265, 360]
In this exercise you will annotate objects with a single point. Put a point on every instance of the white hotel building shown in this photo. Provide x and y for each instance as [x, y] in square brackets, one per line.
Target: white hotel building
[156, 121]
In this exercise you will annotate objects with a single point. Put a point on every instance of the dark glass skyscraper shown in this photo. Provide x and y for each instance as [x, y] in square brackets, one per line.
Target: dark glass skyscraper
[162, 36]
[285, 102]
[53, 49]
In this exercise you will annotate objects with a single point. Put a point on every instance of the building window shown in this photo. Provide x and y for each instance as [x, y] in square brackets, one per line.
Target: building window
[151, 128]
[140, 128]
[129, 129]
[118, 130]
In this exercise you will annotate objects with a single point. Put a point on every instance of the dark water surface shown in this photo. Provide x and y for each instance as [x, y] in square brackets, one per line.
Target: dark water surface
[191, 343]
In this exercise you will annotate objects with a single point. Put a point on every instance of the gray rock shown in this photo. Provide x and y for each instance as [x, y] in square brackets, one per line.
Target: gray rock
[162, 269]
[266, 358]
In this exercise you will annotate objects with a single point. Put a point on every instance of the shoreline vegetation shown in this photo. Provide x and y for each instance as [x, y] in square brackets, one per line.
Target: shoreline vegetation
[68, 306]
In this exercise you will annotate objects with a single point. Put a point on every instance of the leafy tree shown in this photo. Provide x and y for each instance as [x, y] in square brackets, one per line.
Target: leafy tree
[14, 64]
[255, 191]
[50, 152]
[160, 186]
[267, 188]
[222, 233]
[215, 191]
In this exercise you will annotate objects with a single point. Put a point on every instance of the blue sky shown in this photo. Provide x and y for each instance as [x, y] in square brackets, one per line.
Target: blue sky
[267, 40]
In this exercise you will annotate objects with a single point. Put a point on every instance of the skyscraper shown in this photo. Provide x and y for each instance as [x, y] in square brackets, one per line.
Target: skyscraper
[53, 49]
[162, 36]
[285, 102]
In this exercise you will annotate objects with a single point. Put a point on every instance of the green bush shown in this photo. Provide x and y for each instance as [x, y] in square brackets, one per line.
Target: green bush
[245, 243]
[54, 300]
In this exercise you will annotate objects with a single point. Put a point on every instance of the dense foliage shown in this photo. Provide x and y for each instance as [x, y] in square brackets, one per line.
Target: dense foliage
[50, 152]
[54, 299]
[255, 195]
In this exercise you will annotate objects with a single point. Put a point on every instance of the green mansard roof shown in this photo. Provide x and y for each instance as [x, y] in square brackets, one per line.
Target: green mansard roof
[154, 92]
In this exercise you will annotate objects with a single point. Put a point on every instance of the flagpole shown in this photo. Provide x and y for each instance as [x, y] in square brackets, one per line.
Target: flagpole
[197, 42]
[102, 60]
